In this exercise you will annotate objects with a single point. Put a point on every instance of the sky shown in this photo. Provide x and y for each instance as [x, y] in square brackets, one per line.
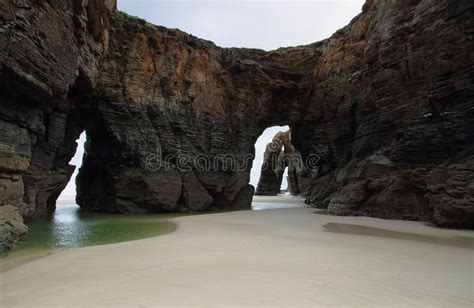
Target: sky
[69, 193]
[264, 24]
[260, 147]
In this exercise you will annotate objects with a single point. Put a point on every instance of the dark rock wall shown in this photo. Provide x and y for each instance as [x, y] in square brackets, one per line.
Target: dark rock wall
[45, 46]
[386, 103]
[395, 125]
[164, 91]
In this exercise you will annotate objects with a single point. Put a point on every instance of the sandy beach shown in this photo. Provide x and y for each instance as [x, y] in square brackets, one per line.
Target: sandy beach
[281, 257]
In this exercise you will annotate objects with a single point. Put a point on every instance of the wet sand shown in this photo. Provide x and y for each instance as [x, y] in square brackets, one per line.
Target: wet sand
[456, 241]
[12, 261]
[70, 227]
[281, 257]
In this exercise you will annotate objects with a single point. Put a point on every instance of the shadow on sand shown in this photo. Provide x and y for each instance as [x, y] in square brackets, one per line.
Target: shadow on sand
[459, 242]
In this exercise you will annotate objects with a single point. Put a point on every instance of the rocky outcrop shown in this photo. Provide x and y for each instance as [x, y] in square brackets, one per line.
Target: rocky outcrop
[166, 98]
[47, 50]
[395, 117]
[12, 228]
[12, 167]
[271, 174]
[385, 104]
[279, 155]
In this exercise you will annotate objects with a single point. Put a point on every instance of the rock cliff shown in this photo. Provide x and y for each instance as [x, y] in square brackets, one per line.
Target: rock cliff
[166, 97]
[386, 104]
[47, 48]
[394, 124]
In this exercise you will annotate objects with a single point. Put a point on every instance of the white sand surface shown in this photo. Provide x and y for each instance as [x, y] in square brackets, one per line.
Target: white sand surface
[281, 257]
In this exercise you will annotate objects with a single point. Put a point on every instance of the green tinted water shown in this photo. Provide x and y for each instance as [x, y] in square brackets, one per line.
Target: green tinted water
[71, 227]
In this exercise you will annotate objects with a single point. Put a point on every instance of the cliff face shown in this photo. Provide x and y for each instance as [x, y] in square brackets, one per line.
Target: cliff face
[46, 48]
[395, 125]
[386, 104]
[200, 108]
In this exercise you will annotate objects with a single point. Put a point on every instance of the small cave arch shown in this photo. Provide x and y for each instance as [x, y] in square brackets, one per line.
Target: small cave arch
[278, 164]
[85, 133]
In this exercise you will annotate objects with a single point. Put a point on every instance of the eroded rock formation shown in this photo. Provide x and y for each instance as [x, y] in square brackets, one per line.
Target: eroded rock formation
[164, 91]
[394, 124]
[271, 173]
[47, 49]
[279, 155]
[386, 102]
[12, 228]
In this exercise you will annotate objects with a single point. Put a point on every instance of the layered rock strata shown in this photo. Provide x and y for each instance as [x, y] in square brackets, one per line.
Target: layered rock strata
[395, 125]
[386, 103]
[48, 49]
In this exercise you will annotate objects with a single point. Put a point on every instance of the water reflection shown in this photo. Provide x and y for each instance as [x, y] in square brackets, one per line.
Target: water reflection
[282, 201]
[66, 214]
[67, 229]
[70, 226]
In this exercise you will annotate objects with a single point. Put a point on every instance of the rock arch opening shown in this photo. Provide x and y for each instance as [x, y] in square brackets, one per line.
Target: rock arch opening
[135, 87]
[279, 166]
[68, 195]
[260, 149]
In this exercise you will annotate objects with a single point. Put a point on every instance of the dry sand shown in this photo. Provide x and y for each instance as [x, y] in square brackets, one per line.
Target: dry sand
[282, 257]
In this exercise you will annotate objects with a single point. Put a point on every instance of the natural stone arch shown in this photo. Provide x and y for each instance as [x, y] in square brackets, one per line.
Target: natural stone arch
[359, 100]
[193, 99]
[280, 154]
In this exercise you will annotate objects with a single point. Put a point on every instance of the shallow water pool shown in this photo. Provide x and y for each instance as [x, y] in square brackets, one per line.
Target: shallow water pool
[71, 227]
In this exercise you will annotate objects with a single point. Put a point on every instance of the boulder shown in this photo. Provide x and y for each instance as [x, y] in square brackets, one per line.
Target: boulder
[12, 228]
